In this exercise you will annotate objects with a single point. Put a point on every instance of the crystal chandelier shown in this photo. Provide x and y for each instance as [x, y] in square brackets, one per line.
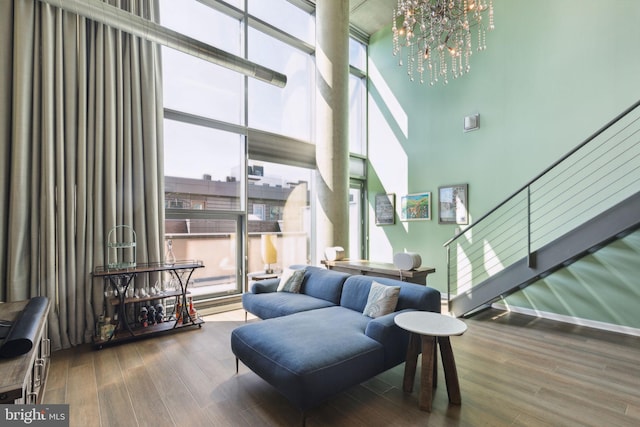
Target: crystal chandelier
[437, 35]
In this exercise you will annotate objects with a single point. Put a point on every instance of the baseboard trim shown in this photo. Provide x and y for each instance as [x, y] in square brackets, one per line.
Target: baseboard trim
[569, 319]
[219, 309]
[218, 305]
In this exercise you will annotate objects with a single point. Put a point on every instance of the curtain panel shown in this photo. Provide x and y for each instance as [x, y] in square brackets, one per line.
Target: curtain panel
[80, 152]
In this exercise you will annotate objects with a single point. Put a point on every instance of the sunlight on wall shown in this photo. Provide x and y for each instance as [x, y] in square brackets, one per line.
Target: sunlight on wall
[562, 301]
[465, 271]
[598, 290]
[324, 122]
[591, 277]
[492, 263]
[397, 112]
[620, 261]
[326, 72]
[382, 250]
[388, 128]
[467, 230]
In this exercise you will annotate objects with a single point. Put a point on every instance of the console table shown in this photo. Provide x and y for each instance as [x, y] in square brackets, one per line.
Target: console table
[23, 378]
[381, 269]
[119, 279]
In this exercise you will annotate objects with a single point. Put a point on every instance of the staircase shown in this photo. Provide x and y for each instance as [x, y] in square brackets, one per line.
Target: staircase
[582, 202]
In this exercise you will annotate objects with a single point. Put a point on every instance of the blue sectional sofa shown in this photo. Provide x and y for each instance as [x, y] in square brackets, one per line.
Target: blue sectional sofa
[314, 344]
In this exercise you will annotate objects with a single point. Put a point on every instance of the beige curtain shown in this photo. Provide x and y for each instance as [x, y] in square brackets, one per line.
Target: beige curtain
[80, 152]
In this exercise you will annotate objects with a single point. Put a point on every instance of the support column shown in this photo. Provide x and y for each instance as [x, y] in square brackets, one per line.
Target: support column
[332, 125]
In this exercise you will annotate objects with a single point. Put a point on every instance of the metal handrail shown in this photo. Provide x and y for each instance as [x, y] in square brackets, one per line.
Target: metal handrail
[547, 170]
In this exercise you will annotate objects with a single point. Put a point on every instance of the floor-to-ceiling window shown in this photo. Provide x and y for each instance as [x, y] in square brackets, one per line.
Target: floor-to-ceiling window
[357, 97]
[357, 148]
[239, 152]
[205, 149]
[280, 121]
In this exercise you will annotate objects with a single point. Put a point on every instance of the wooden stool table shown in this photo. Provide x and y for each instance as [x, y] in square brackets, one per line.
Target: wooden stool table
[430, 330]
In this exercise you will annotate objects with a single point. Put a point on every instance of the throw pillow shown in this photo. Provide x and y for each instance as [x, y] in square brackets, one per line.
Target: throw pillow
[291, 280]
[382, 300]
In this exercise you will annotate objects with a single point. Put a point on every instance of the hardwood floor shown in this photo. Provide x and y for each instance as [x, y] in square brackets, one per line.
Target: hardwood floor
[514, 370]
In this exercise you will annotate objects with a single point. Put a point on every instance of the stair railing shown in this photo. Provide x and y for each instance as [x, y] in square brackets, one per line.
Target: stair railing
[596, 175]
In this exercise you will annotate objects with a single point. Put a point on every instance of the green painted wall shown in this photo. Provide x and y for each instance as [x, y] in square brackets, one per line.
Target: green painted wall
[604, 287]
[553, 73]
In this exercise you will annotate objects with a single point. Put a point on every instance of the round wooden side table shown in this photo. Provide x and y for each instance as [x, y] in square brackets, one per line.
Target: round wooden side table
[430, 330]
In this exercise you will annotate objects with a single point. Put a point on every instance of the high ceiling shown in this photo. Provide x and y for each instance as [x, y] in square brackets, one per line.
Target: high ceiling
[371, 15]
[368, 16]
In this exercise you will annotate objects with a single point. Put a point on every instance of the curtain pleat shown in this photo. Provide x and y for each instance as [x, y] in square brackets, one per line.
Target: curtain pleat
[69, 156]
[24, 86]
[46, 145]
[84, 163]
[6, 78]
[81, 142]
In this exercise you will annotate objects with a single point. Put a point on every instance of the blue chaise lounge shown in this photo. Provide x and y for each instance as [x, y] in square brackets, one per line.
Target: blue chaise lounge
[316, 343]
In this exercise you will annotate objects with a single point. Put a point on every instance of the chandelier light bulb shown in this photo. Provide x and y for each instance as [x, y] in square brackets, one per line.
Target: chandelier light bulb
[428, 28]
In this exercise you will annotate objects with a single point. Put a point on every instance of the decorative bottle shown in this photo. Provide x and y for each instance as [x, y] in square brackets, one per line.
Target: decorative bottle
[193, 314]
[100, 327]
[170, 257]
[179, 313]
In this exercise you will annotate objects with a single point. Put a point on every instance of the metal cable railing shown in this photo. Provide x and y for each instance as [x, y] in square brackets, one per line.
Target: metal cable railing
[601, 172]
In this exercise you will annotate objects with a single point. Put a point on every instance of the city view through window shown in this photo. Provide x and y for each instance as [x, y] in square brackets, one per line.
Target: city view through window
[222, 204]
[278, 206]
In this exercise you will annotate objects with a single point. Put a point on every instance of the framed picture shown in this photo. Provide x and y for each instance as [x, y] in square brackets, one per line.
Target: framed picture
[385, 209]
[453, 204]
[416, 207]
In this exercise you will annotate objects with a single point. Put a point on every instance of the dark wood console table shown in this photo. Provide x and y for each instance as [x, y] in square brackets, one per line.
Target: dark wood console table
[380, 269]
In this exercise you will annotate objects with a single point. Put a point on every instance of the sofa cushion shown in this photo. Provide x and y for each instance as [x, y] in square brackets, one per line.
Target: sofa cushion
[276, 304]
[291, 280]
[355, 293]
[322, 283]
[382, 300]
[310, 356]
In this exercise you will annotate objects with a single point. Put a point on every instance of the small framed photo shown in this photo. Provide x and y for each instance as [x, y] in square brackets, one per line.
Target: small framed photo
[385, 209]
[416, 207]
[453, 204]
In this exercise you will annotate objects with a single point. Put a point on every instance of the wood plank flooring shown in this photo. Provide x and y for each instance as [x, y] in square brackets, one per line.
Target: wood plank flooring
[514, 370]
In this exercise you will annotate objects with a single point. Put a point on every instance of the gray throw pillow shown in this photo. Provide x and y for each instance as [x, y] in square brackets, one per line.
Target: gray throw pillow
[291, 280]
[382, 300]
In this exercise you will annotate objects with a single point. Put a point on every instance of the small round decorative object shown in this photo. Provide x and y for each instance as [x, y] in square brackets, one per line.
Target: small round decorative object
[407, 260]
